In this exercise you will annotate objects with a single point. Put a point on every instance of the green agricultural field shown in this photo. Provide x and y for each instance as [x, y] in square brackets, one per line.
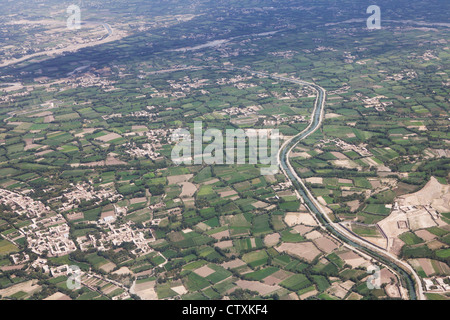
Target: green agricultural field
[7, 247]
[378, 209]
[444, 253]
[261, 274]
[365, 230]
[194, 282]
[410, 238]
[296, 282]
[255, 258]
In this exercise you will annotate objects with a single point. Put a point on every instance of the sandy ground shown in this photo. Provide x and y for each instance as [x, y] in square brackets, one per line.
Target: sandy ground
[425, 235]
[139, 128]
[317, 180]
[304, 250]
[302, 229]
[426, 266]
[138, 200]
[339, 155]
[110, 161]
[416, 217]
[353, 259]
[294, 218]
[179, 178]
[189, 202]
[395, 245]
[107, 214]
[421, 220]
[49, 119]
[211, 181]
[123, 270]
[108, 266]
[221, 234]
[30, 145]
[224, 244]
[75, 216]
[308, 294]
[188, 189]
[390, 224]
[40, 114]
[392, 291]
[109, 137]
[379, 241]
[434, 245]
[325, 244]
[332, 115]
[300, 154]
[261, 288]
[204, 271]
[386, 276]
[180, 290]
[322, 201]
[228, 193]
[85, 131]
[202, 226]
[270, 178]
[375, 183]
[259, 204]
[277, 277]
[233, 264]
[58, 296]
[313, 235]
[271, 239]
[146, 290]
[354, 205]
[345, 164]
[27, 286]
[337, 291]
[433, 193]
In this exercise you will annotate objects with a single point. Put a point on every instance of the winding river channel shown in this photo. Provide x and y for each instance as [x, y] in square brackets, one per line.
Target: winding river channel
[406, 274]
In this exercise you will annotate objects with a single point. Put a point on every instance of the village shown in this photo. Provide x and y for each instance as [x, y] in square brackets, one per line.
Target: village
[23, 205]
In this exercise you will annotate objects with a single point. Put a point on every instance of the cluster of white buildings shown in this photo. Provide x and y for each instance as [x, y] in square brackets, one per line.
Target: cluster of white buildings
[111, 116]
[19, 258]
[144, 114]
[245, 111]
[284, 54]
[147, 150]
[277, 120]
[376, 103]
[49, 235]
[116, 236]
[282, 186]
[83, 191]
[188, 84]
[236, 79]
[23, 205]
[437, 284]
[90, 80]
[361, 150]
[405, 75]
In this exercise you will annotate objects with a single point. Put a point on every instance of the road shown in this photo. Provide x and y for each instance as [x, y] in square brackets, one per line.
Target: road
[70, 48]
[402, 269]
